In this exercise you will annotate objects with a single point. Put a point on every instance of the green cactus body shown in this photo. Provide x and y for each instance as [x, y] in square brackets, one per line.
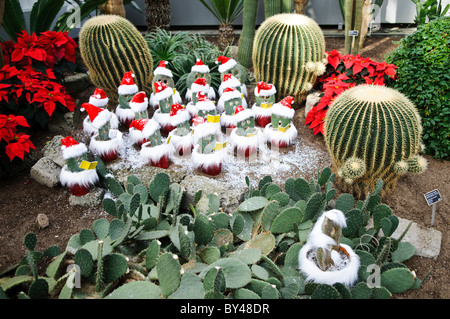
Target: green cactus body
[372, 132]
[124, 100]
[288, 51]
[248, 33]
[246, 127]
[110, 46]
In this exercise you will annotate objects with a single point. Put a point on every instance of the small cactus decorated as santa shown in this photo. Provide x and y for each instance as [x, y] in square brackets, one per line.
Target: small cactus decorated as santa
[199, 85]
[246, 138]
[165, 97]
[139, 105]
[230, 81]
[155, 152]
[140, 131]
[264, 99]
[199, 70]
[181, 137]
[324, 259]
[281, 132]
[208, 153]
[127, 89]
[78, 174]
[230, 99]
[229, 65]
[98, 99]
[107, 142]
[164, 75]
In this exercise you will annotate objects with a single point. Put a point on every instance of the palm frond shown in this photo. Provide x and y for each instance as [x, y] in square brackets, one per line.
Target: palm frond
[225, 11]
[13, 19]
[43, 13]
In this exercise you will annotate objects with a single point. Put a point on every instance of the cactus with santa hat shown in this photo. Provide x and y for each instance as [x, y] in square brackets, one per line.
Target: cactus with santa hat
[281, 132]
[230, 99]
[229, 65]
[98, 99]
[264, 99]
[209, 152]
[155, 151]
[165, 97]
[246, 138]
[139, 105]
[164, 75]
[107, 142]
[199, 70]
[181, 137]
[199, 85]
[78, 174]
[127, 89]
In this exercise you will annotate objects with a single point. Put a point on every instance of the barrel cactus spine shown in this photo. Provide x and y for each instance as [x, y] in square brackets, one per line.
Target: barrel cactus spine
[373, 132]
[110, 46]
[288, 51]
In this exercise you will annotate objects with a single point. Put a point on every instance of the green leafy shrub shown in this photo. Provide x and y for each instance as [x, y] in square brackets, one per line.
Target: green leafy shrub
[155, 249]
[423, 63]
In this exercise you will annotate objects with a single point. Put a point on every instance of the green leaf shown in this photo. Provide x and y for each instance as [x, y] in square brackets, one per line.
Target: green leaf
[136, 290]
[43, 13]
[284, 221]
[403, 252]
[237, 274]
[397, 280]
[253, 204]
[191, 287]
[169, 277]
[30, 241]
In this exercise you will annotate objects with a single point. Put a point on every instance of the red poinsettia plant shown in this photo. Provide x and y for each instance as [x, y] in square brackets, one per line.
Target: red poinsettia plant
[30, 86]
[342, 73]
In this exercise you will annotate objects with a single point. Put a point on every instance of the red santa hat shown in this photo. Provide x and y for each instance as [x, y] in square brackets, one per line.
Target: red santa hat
[284, 108]
[162, 69]
[204, 103]
[97, 115]
[178, 114]
[99, 98]
[143, 128]
[127, 86]
[264, 89]
[229, 81]
[71, 148]
[200, 85]
[162, 90]
[241, 114]
[200, 67]
[139, 102]
[225, 63]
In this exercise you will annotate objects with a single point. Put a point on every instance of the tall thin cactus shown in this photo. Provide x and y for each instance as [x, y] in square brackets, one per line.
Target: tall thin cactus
[353, 21]
[248, 32]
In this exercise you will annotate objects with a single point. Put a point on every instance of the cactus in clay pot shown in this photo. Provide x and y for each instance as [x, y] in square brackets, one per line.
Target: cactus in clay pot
[78, 174]
[107, 63]
[288, 51]
[373, 132]
[164, 75]
[155, 151]
[181, 137]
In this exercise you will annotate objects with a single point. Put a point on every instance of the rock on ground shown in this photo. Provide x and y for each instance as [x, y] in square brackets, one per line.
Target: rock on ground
[46, 172]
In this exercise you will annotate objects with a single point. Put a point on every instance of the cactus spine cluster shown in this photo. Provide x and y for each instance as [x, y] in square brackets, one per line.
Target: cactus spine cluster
[288, 51]
[110, 46]
[373, 132]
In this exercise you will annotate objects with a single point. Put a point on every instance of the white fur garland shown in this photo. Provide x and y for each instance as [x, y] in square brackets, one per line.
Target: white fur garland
[83, 178]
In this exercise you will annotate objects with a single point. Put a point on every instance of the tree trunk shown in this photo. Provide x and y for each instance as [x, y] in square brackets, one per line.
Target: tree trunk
[157, 14]
[366, 17]
[226, 36]
[300, 6]
[113, 7]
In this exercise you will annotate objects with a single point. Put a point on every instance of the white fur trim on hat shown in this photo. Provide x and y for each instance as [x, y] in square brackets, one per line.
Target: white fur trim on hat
[261, 112]
[231, 83]
[184, 143]
[104, 147]
[74, 150]
[83, 178]
[205, 161]
[153, 101]
[227, 65]
[97, 101]
[244, 115]
[124, 115]
[226, 96]
[177, 97]
[205, 105]
[162, 71]
[192, 109]
[243, 142]
[164, 94]
[102, 118]
[278, 136]
[200, 68]
[139, 107]
[284, 111]
[181, 117]
[269, 92]
[127, 89]
[195, 88]
[90, 130]
[157, 152]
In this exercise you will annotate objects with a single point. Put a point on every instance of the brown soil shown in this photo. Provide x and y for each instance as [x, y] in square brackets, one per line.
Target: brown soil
[22, 199]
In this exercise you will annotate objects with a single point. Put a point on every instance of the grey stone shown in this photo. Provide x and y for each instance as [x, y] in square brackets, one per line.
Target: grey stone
[77, 82]
[92, 199]
[311, 100]
[65, 125]
[426, 240]
[46, 172]
[53, 150]
[230, 196]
